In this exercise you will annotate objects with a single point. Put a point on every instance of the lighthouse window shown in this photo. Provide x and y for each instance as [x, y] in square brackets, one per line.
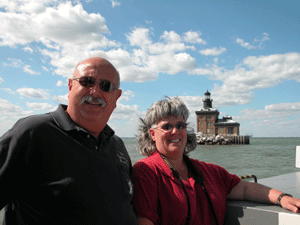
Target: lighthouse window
[230, 130]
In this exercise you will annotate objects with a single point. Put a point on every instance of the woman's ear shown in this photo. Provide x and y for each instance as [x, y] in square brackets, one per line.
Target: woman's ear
[152, 134]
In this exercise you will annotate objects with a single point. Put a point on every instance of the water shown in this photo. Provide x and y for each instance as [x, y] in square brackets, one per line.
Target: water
[264, 157]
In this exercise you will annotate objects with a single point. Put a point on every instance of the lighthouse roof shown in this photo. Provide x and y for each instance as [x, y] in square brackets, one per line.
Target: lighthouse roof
[207, 93]
[207, 109]
[227, 120]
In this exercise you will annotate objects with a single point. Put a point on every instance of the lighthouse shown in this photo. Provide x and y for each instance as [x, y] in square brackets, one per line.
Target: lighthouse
[207, 101]
[208, 121]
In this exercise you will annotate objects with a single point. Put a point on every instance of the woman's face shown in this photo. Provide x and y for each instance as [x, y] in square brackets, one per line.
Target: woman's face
[170, 136]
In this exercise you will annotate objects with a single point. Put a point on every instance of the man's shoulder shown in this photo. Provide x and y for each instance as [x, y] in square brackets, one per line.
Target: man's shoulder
[35, 121]
[32, 121]
[29, 125]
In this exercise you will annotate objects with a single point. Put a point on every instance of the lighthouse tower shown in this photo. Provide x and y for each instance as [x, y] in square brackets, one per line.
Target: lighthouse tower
[208, 122]
[207, 101]
[207, 116]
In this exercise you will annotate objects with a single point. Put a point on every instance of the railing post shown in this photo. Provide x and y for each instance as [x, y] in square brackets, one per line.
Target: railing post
[298, 157]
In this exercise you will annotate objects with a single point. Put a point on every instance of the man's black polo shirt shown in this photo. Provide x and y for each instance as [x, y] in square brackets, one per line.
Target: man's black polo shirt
[54, 172]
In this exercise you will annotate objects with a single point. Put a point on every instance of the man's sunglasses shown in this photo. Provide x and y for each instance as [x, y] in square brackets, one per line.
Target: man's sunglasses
[168, 127]
[104, 85]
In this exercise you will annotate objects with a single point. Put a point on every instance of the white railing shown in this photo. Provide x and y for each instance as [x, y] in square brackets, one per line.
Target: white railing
[298, 157]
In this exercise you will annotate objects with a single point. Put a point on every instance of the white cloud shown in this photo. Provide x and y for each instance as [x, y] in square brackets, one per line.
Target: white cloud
[63, 99]
[60, 83]
[161, 57]
[239, 84]
[27, 69]
[193, 37]
[172, 63]
[26, 6]
[1, 80]
[123, 112]
[271, 112]
[201, 71]
[259, 40]
[115, 3]
[139, 37]
[172, 42]
[273, 118]
[126, 95]
[17, 63]
[33, 93]
[137, 74]
[9, 114]
[41, 106]
[45, 68]
[162, 48]
[252, 74]
[129, 93]
[213, 51]
[244, 44]
[7, 90]
[28, 49]
[271, 69]
[171, 36]
[8, 109]
[59, 27]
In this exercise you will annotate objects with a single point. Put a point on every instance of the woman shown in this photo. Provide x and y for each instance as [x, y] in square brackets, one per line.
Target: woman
[170, 188]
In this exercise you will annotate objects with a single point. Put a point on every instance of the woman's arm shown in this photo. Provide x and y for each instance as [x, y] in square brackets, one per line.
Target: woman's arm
[143, 221]
[259, 193]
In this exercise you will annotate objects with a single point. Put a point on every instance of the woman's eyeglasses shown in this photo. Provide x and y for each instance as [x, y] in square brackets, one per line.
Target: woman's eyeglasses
[104, 85]
[168, 127]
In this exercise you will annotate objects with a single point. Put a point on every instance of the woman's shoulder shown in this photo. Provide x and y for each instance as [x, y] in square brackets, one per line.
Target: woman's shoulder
[201, 165]
[150, 161]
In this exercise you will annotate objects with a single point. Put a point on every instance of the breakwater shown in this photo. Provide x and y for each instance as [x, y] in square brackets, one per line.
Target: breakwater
[205, 139]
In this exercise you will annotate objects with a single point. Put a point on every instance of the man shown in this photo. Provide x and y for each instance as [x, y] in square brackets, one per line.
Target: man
[67, 166]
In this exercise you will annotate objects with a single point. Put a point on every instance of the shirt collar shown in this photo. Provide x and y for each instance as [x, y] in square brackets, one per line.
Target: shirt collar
[158, 160]
[64, 121]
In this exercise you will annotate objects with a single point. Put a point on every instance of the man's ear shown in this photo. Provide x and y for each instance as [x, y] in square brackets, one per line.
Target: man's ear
[119, 93]
[152, 133]
[70, 83]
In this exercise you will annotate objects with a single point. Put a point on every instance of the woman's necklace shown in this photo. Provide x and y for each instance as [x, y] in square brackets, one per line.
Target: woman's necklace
[176, 174]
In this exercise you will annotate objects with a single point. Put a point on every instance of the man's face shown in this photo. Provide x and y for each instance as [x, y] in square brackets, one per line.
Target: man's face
[91, 104]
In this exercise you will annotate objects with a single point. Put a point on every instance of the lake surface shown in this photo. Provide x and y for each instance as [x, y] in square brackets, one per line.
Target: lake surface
[263, 157]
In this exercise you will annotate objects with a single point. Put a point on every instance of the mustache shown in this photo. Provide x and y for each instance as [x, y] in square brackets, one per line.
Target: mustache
[93, 100]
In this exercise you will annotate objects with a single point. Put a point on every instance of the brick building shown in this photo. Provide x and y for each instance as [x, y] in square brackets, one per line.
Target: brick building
[208, 121]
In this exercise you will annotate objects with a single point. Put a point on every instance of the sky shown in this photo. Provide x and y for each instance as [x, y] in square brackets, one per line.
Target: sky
[245, 53]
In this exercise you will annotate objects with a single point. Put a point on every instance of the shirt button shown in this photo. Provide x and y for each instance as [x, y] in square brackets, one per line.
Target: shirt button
[96, 147]
[88, 136]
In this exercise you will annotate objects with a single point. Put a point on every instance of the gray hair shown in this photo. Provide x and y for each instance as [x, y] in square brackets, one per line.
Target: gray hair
[158, 111]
